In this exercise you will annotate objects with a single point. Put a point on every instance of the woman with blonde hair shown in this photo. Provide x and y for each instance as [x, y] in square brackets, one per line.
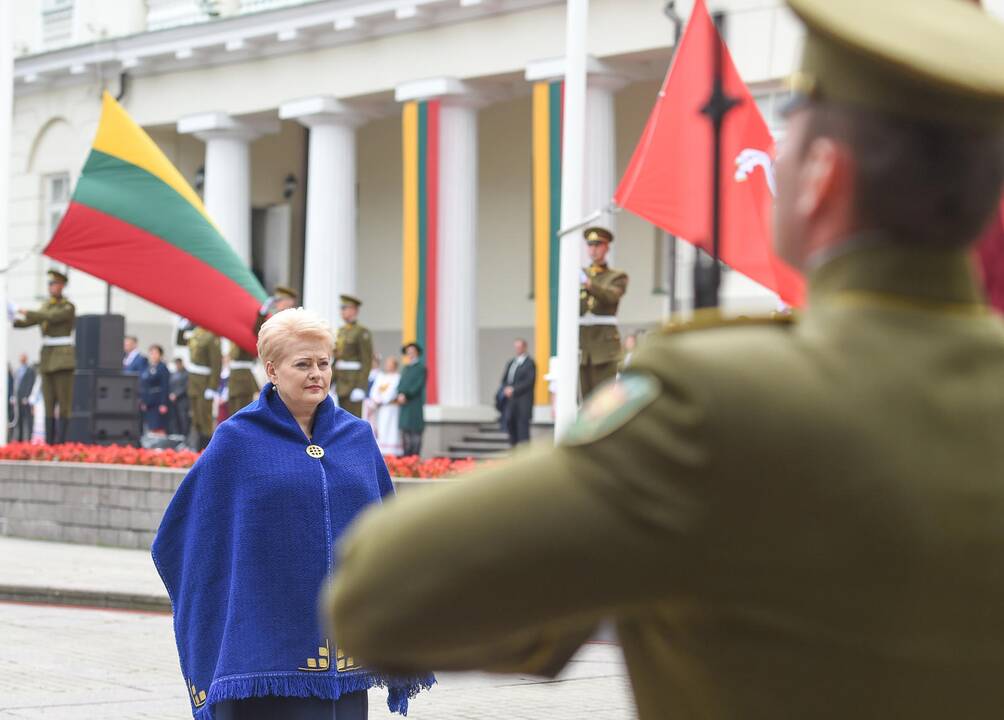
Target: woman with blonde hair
[246, 543]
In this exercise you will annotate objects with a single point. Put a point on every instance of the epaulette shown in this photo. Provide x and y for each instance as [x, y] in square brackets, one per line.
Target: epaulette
[708, 318]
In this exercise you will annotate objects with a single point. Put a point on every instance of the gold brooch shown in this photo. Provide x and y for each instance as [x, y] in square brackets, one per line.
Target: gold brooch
[315, 451]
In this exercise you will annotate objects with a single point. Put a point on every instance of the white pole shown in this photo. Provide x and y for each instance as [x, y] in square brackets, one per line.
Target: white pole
[6, 112]
[572, 192]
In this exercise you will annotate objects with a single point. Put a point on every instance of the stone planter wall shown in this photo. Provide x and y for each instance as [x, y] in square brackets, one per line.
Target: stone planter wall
[114, 505]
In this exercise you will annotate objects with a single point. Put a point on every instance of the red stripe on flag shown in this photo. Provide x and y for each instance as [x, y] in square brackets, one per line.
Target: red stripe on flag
[140, 262]
[432, 253]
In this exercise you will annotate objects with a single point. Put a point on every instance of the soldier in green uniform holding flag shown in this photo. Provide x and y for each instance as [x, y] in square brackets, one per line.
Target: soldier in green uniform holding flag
[602, 288]
[205, 362]
[57, 362]
[799, 519]
[353, 358]
[241, 385]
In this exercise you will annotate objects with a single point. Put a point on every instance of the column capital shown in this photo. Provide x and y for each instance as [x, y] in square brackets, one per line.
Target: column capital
[447, 89]
[213, 125]
[320, 110]
[598, 73]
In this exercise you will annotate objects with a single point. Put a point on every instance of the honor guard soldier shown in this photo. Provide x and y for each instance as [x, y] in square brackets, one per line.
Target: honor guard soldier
[785, 519]
[602, 288]
[205, 361]
[242, 385]
[57, 362]
[353, 358]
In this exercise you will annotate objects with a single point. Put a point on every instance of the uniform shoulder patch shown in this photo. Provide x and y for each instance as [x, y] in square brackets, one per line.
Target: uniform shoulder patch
[708, 319]
[611, 406]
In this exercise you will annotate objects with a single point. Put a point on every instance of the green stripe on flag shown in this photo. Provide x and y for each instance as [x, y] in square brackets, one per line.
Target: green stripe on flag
[141, 199]
[554, 117]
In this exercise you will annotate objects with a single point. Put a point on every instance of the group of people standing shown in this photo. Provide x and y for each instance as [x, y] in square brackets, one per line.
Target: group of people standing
[396, 401]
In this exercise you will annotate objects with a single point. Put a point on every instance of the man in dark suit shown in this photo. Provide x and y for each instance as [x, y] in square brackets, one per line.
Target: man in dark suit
[133, 361]
[516, 394]
[24, 381]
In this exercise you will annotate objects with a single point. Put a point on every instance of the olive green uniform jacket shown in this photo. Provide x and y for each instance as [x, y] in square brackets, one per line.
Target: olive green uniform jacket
[242, 385]
[600, 344]
[56, 318]
[785, 520]
[353, 344]
[204, 351]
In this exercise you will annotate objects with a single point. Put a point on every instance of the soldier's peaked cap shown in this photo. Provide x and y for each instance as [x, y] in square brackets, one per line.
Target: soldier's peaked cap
[284, 291]
[937, 60]
[57, 276]
[350, 300]
[597, 234]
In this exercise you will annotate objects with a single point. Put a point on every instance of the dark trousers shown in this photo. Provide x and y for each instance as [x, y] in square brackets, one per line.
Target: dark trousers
[178, 416]
[412, 442]
[351, 706]
[517, 425]
[25, 422]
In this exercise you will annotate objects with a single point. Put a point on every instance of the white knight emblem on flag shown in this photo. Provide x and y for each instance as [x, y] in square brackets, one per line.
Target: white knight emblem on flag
[747, 162]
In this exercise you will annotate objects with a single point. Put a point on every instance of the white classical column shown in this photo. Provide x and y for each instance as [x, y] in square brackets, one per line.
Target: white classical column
[458, 215]
[601, 179]
[601, 139]
[6, 111]
[227, 189]
[329, 266]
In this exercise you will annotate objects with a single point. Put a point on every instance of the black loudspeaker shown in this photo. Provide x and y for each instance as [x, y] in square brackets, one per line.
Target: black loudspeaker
[104, 429]
[105, 392]
[105, 407]
[99, 342]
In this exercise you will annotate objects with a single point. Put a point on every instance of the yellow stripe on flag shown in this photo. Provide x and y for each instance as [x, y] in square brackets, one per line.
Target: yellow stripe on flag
[120, 136]
[541, 235]
[409, 318]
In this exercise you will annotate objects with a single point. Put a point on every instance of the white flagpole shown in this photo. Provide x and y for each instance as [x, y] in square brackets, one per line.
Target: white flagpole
[6, 113]
[572, 195]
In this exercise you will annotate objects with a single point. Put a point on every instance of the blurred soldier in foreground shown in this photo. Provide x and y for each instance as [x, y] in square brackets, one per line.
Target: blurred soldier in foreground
[205, 363]
[785, 520]
[242, 385]
[601, 291]
[58, 359]
[353, 358]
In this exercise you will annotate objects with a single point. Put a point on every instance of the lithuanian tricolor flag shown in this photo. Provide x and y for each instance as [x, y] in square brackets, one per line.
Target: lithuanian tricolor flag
[548, 103]
[419, 320]
[134, 222]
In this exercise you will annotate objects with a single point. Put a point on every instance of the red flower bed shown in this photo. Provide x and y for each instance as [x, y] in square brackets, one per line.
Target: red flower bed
[103, 454]
[416, 467]
[122, 455]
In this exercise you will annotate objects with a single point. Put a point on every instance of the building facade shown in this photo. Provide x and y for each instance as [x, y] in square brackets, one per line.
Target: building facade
[332, 141]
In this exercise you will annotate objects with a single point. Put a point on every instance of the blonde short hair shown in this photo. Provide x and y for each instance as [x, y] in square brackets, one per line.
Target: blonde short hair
[288, 325]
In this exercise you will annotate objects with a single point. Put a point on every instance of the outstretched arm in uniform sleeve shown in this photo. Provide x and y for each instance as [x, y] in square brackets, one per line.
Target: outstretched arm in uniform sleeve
[499, 570]
[366, 361]
[612, 292]
[55, 313]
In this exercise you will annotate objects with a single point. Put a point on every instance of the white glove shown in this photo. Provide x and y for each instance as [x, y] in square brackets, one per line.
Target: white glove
[357, 395]
[583, 278]
[209, 394]
[11, 311]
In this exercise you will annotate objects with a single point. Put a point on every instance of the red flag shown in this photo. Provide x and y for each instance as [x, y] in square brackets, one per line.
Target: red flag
[990, 252]
[668, 181]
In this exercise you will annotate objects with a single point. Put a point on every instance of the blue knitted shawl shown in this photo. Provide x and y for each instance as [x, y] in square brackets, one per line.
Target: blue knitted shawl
[244, 548]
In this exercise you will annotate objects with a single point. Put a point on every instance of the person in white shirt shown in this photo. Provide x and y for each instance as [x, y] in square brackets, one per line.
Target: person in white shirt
[383, 395]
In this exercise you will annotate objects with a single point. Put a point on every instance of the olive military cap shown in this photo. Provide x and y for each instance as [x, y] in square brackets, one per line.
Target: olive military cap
[57, 276]
[597, 234]
[350, 300]
[284, 291]
[938, 60]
